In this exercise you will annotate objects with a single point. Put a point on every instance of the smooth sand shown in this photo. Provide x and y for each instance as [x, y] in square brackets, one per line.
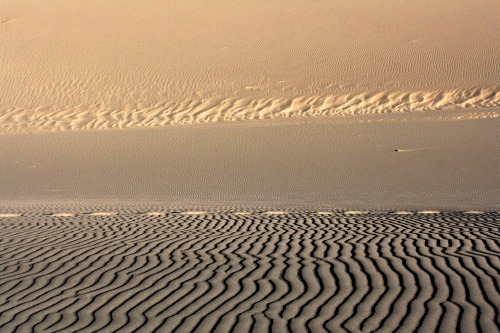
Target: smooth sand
[418, 163]
[225, 272]
[72, 65]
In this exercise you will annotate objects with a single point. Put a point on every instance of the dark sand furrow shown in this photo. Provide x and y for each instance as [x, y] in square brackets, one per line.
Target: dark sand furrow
[218, 271]
[376, 287]
[232, 307]
[32, 255]
[425, 287]
[186, 280]
[390, 284]
[38, 314]
[399, 309]
[217, 293]
[362, 286]
[485, 310]
[379, 283]
[45, 257]
[231, 293]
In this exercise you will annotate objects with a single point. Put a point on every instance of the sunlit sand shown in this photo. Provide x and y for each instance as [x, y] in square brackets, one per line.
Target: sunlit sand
[249, 166]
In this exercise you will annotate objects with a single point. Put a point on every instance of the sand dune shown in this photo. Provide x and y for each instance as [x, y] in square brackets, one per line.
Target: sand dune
[70, 65]
[444, 164]
[301, 271]
[386, 221]
[215, 110]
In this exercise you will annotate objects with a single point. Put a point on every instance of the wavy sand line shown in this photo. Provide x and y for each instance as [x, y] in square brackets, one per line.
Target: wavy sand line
[49, 118]
[227, 272]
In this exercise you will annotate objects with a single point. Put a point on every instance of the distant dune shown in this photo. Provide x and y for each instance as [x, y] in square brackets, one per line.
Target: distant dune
[70, 65]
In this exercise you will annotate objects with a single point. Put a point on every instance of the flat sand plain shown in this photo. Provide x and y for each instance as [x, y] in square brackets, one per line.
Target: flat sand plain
[364, 163]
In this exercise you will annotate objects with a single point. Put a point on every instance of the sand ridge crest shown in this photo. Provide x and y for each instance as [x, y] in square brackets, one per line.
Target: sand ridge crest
[54, 119]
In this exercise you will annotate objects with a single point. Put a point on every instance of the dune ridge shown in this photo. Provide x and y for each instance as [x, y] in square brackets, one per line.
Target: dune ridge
[237, 109]
[70, 65]
[221, 271]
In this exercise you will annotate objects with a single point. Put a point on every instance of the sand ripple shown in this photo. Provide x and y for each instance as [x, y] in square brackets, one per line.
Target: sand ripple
[228, 272]
[19, 120]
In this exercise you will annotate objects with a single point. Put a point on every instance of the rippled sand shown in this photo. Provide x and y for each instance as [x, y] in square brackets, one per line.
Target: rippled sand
[339, 172]
[71, 65]
[300, 271]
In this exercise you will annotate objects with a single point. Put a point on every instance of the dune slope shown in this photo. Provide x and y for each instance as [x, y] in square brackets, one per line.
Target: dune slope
[223, 271]
[70, 65]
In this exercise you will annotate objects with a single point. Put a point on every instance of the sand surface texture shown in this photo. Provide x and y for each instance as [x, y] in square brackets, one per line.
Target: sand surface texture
[397, 163]
[269, 270]
[71, 65]
[347, 180]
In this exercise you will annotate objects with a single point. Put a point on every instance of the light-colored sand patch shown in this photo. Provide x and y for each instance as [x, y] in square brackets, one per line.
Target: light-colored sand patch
[10, 215]
[241, 213]
[429, 212]
[194, 213]
[156, 213]
[474, 212]
[324, 213]
[71, 65]
[355, 212]
[403, 213]
[64, 214]
[103, 213]
[276, 213]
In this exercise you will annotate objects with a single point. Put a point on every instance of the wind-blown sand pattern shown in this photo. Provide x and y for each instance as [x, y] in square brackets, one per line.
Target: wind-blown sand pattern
[303, 271]
[70, 65]
[344, 179]
[215, 110]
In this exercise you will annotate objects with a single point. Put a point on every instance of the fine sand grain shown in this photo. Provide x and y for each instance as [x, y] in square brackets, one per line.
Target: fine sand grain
[227, 272]
[73, 65]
